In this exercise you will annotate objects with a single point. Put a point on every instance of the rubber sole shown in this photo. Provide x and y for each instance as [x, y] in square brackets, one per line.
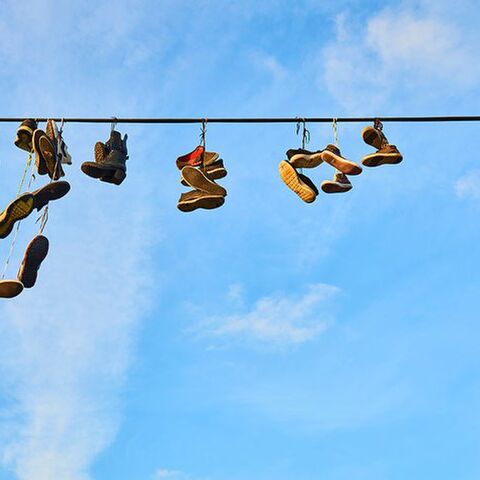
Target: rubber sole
[49, 154]
[302, 160]
[291, 179]
[372, 136]
[377, 159]
[10, 288]
[208, 202]
[19, 209]
[52, 191]
[35, 254]
[105, 173]
[198, 180]
[216, 174]
[334, 187]
[343, 165]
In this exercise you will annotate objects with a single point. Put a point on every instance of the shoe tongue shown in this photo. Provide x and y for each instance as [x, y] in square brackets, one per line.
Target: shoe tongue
[333, 148]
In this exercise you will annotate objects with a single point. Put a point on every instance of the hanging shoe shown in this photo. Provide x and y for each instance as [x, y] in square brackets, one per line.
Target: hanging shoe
[196, 158]
[10, 288]
[333, 157]
[61, 148]
[215, 171]
[339, 184]
[35, 254]
[194, 199]
[25, 134]
[110, 160]
[374, 136]
[46, 158]
[19, 209]
[301, 158]
[51, 191]
[297, 182]
[387, 155]
[195, 178]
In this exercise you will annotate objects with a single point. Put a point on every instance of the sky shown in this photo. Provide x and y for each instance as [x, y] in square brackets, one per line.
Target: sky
[268, 339]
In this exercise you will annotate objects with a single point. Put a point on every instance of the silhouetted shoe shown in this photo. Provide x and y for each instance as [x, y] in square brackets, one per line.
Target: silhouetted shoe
[35, 254]
[196, 179]
[51, 191]
[25, 134]
[46, 158]
[195, 199]
[374, 136]
[215, 171]
[196, 158]
[301, 158]
[10, 288]
[339, 184]
[387, 155]
[298, 183]
[17, 210]
[61, 148]
[333, 157]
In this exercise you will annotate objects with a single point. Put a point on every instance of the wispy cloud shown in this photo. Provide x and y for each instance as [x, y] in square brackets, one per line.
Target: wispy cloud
[277, 320]
[164, 473]
[468, 186]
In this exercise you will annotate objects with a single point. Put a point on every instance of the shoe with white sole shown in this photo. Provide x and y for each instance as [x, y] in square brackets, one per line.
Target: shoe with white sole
[339, 184]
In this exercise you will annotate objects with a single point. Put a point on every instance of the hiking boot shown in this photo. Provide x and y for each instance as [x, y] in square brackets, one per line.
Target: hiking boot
[197, 179]
[333, 157]
[297, 182]
[10, 288]
[215, 171]
[35, 254]
[388, 154]
[51, 191]
[46, 156]
[110, 160]
[301, 158]
[339, 184]
[194, 199]
[196, 158]
[374, 136]
[25, 134]
[19, 209]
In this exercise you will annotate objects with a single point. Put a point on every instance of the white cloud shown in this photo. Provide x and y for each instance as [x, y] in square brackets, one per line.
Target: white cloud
[468, 186]
[165, 473]
[276, 320]
[271, 64]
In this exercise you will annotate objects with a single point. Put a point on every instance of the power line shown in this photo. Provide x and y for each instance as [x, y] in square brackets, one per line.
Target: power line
[452, 118]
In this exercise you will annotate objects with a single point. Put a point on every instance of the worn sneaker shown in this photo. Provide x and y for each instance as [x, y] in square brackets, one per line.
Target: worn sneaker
[333, 157]
[55, 136]
[25, 134]
[194, 199]
[35, 254]
[388, 154]
[196, 158]
[215, 171]
[374, 136]
[51, 191]
[298, 183]
[19, 209]
[339, 184]
[46, 156]
[197, 179]
[10, 288]
[301, 158]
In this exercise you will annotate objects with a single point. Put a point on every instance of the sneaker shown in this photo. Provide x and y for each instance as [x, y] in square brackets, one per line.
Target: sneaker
[25, 134]
[35, 254]
[333, 157]
[374, 136]
[388, 154]
[194, 199]
[19, 209]
[339, 184]
[51, 191]
[46, 156]
[110, 160]
[301, 158]
[215, 171]
[298, 183]
[10, 288]
[196, 158]
[61, 148]
[197, 179]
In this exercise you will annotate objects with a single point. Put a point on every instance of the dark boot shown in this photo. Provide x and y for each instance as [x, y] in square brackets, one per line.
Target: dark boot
[25, 133]
[35, 254]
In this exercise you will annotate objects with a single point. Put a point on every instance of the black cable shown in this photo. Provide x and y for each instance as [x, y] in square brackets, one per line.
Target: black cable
[460, 118]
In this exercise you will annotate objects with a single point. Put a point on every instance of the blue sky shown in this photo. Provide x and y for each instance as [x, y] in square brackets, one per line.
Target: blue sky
[269, 339]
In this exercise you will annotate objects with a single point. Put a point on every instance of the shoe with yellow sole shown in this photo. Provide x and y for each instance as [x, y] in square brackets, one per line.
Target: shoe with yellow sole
[17, 210]
[298, 183]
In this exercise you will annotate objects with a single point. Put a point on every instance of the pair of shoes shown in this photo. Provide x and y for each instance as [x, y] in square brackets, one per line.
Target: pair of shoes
[25, 203]
[35, 254]
[46, 158]
[64, 158]
[110, 160]
[303, 186]
[199, 170]
[386, 154]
